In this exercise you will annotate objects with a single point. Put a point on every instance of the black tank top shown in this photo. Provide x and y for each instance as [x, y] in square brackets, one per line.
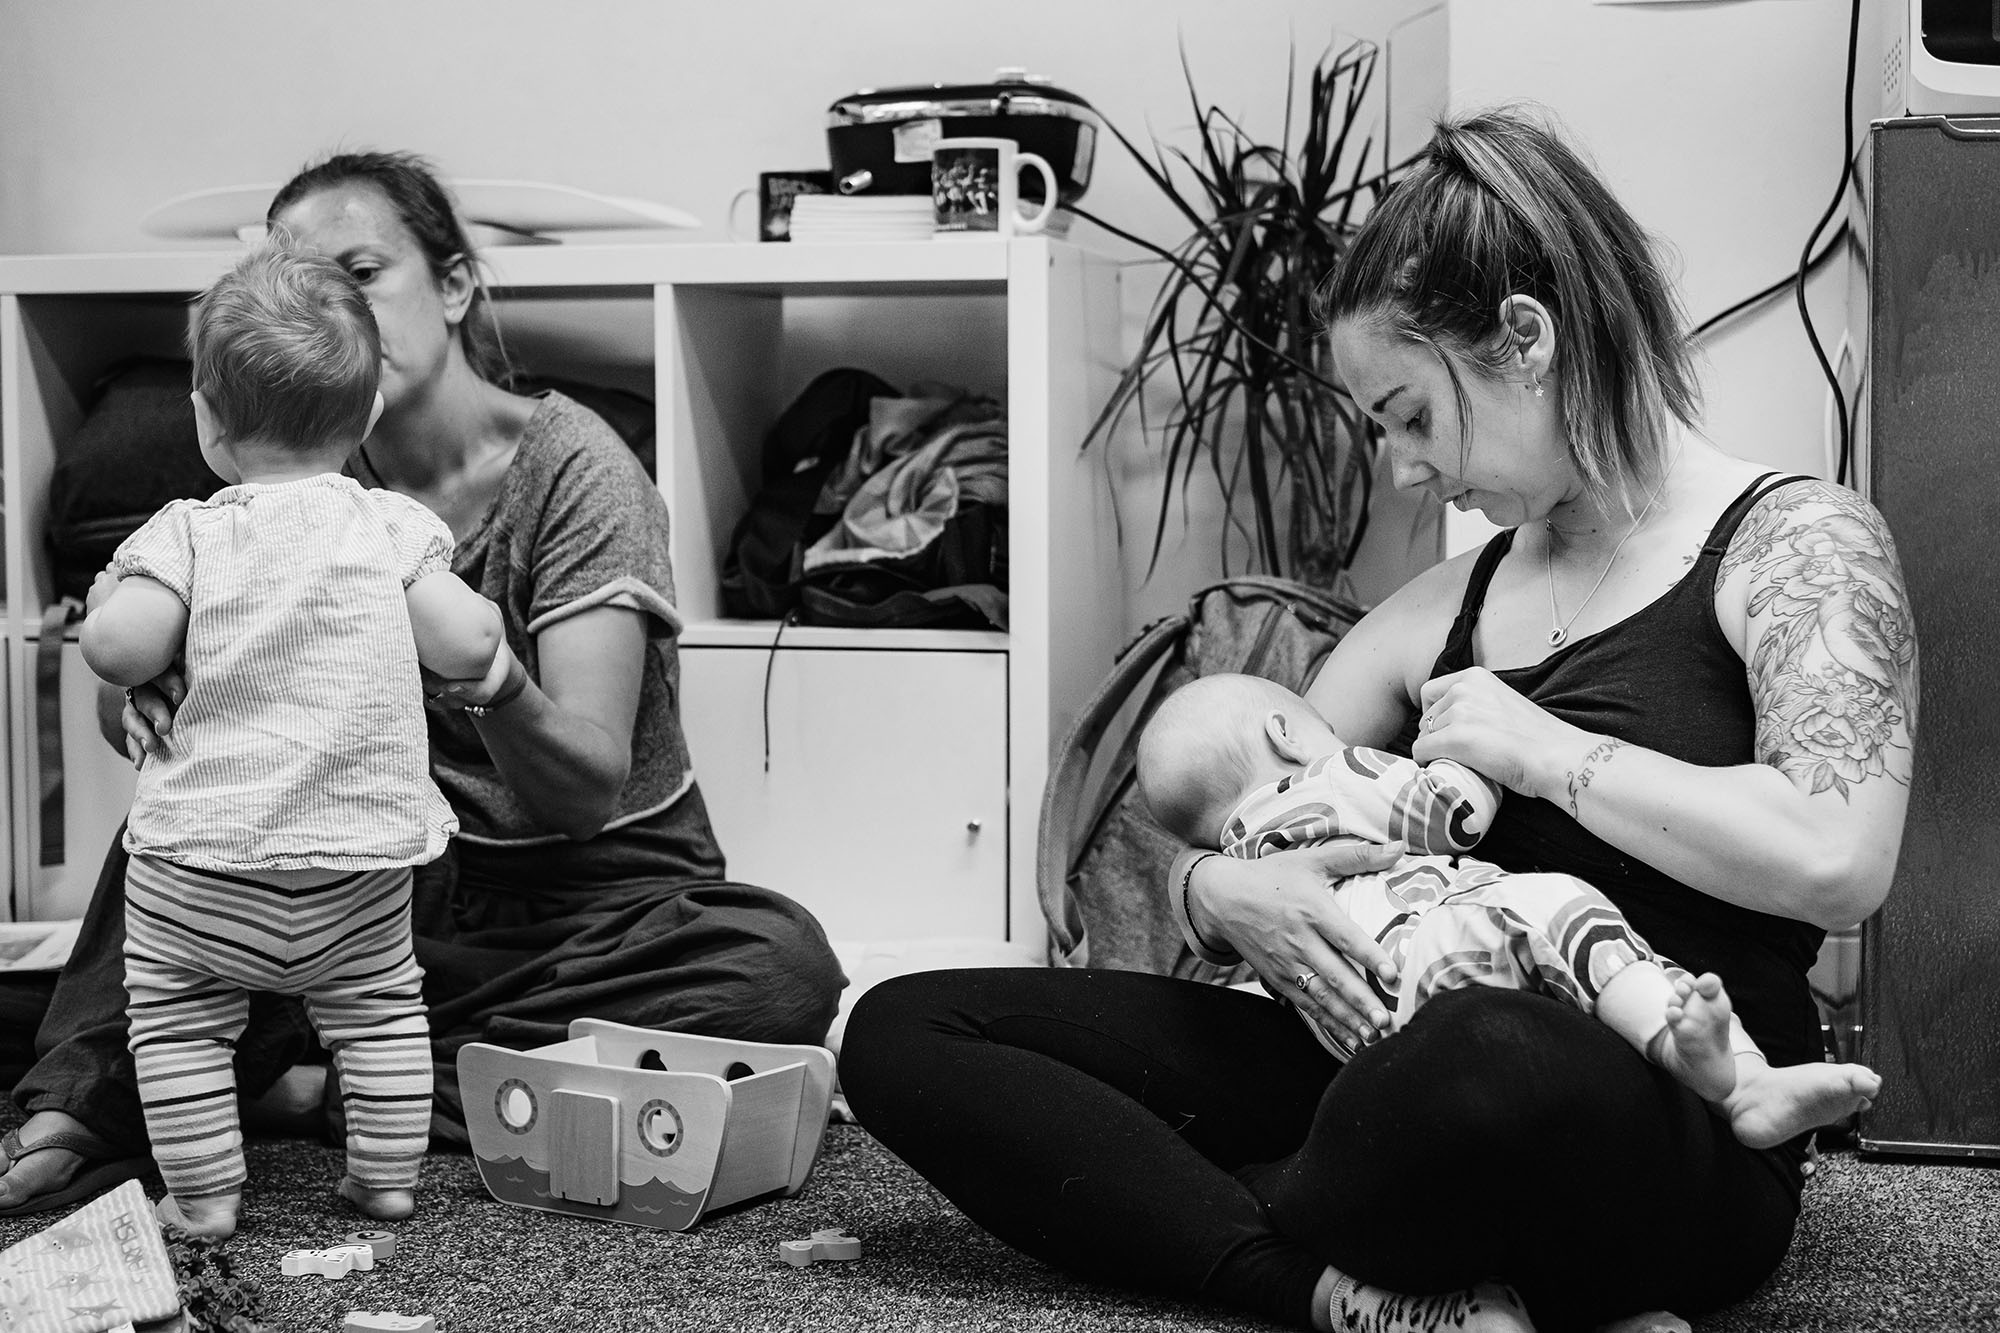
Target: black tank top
[1665, 679]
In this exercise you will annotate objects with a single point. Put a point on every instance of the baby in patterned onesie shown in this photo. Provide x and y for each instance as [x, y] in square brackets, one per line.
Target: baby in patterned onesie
[272, 843]
[1246, 766]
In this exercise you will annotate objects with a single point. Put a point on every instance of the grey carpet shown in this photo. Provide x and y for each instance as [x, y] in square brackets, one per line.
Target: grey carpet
[1883, 1246]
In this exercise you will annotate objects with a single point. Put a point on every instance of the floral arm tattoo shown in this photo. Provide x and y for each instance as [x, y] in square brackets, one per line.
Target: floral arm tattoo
[1834, 672]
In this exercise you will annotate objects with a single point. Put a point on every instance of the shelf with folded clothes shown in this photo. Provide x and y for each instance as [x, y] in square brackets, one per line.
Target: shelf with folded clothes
[738, 365]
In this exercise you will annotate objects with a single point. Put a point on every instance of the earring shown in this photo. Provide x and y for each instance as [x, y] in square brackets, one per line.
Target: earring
[1537, 385]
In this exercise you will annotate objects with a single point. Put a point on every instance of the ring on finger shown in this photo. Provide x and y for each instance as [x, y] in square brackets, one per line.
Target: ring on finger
[1304, 980]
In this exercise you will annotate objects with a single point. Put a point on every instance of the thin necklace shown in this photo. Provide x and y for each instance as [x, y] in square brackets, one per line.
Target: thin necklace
[1560, 630]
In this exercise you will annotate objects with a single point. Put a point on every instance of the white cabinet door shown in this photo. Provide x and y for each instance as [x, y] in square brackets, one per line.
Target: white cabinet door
[97, 793]
[884, 808]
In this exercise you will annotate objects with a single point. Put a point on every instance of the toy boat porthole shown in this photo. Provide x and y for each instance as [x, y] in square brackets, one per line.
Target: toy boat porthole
[514, 1105]
[660, 1128]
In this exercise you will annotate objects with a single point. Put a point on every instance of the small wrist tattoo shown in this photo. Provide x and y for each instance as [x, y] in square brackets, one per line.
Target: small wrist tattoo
[1579, 777]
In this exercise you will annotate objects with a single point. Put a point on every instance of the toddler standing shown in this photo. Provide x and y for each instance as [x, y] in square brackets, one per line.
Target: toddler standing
[272, 841]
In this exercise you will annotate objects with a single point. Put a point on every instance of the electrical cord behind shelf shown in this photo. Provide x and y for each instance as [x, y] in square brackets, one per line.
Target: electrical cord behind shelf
[1810, 263]
[1832, 207]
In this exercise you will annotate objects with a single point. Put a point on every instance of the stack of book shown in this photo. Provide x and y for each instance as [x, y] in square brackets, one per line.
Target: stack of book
[861, 217]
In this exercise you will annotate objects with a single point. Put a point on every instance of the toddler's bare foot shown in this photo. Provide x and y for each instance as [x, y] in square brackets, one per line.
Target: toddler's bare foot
[211, 1215]
[1772, 1105]
[1694, 1045]
[386, 1205]
[1354, 1307]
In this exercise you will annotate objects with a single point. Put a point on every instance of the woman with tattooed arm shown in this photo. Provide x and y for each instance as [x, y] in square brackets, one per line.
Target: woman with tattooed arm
[1698, 679]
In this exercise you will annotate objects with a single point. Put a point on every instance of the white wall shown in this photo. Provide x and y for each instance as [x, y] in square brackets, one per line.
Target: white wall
[110, 106]
[1717, 122]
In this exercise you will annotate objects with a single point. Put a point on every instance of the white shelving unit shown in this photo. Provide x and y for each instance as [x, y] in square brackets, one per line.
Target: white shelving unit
[905, 766]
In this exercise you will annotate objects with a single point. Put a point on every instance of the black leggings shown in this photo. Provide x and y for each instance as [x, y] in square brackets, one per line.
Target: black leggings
[1193, 1141]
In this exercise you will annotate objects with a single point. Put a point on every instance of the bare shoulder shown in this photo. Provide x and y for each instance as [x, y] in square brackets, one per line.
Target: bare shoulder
[1370, 683]
[1813, 587]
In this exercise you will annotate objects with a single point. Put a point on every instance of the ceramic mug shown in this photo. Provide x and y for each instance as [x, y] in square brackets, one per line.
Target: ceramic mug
[976, 188]
[774, 195]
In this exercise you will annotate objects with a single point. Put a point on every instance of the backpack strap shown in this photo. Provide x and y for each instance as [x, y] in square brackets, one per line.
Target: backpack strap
[48, 726]
[1064, 825]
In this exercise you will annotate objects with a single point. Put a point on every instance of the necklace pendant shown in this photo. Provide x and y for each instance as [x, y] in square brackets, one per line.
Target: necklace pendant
[1556, 636]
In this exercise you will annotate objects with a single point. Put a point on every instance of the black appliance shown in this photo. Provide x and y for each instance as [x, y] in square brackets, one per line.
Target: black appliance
[879, 139]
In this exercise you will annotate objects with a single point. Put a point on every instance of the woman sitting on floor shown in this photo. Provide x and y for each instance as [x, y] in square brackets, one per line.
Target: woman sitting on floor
[585, 880]
[1698, 681]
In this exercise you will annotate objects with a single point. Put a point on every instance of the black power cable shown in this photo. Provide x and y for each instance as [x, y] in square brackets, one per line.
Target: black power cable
[1810, 263]
[1833, 206]
[1777, 288]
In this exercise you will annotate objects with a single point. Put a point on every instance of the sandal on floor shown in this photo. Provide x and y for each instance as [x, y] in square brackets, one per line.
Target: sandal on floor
[102, 1167]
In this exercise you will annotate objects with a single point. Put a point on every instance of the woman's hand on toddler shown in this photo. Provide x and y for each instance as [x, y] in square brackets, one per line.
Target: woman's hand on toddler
[480, 692]
[148, 716]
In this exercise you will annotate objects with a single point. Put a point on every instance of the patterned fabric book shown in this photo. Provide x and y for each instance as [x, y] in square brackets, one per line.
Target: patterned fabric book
[103, 1267]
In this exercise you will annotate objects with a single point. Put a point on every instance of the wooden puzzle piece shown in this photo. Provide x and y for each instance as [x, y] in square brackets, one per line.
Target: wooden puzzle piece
[382, 1244]
[335, 1263]
[361, 1258]
[384, 1321]
[831, 1243]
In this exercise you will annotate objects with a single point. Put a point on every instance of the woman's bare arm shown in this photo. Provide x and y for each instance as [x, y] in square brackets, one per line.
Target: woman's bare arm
[564, 745]
[1812, 593]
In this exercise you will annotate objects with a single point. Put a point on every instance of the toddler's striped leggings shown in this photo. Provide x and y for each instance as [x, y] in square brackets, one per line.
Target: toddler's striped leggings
[198, 941]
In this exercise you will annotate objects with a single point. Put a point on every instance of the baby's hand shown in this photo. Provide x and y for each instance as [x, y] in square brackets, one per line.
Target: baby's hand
[101, 589]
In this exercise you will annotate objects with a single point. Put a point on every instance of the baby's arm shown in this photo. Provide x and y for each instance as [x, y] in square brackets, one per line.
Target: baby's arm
[458, 632]
[1462, 801]
[136, 631]
[1437, 809]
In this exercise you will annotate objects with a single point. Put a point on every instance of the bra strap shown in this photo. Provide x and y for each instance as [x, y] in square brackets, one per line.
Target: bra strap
[1732, 518]
[1457, 653]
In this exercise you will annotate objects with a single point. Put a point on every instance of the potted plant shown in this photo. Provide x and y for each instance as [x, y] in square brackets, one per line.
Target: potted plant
[1236, 332]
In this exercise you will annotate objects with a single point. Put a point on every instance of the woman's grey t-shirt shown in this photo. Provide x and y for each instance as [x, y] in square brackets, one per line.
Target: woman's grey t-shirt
[577, 525]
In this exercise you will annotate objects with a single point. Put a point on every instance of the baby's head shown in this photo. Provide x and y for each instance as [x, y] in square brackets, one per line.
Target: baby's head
[1214, 740]
[286, 354]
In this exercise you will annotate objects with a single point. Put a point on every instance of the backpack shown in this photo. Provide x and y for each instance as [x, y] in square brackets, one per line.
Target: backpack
[812, 437]
[134, 451]
[1101, 861]
[630, 415]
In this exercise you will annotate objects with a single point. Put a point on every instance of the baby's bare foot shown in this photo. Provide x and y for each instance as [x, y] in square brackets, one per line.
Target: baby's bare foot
[1355, 1307]
[1694, 1045]
[1771, 1106]
[211, 1215]
[387, 1205]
